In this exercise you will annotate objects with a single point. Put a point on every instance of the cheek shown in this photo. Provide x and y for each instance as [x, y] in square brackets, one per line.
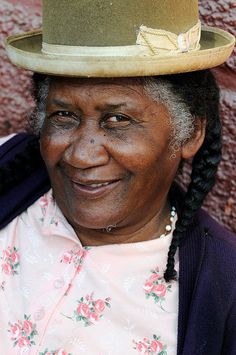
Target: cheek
[52, 146]
[144, 153]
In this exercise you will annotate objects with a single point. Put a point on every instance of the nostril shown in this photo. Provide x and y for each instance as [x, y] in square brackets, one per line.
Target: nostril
[92, 141]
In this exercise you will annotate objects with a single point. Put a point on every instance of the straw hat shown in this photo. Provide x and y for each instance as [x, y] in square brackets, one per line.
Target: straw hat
[113, 38]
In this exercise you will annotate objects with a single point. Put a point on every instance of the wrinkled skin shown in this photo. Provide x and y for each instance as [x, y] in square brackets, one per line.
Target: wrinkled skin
[108, 130]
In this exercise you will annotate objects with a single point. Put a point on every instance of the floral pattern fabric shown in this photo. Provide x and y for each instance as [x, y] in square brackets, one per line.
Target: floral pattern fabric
[150, 346]
[60, 298]
[10, 261]
[23, 333]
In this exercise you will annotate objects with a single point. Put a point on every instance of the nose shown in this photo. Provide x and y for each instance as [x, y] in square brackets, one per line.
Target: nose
[87, 150]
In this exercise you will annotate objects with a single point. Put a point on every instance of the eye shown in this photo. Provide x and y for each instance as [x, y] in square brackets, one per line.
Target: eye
[116, 120]
[64, 118]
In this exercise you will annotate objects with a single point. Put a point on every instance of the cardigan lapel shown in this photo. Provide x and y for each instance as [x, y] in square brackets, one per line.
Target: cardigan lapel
[191, 254]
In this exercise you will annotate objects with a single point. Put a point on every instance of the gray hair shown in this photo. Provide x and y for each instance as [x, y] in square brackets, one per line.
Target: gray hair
[160, 90]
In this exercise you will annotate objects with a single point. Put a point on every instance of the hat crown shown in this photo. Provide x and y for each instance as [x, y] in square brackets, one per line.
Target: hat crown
[113, 22]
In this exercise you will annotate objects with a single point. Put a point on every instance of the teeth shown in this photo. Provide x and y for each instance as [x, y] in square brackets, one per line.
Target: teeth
[99, 185]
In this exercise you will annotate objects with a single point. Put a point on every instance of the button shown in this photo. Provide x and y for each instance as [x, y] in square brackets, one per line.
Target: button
[59, 283]
[39, 314]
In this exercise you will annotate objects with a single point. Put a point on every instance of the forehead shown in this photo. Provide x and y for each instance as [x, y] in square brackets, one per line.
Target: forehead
[101, 88]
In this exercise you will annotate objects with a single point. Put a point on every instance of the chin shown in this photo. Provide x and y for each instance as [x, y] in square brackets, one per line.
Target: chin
[93, 222]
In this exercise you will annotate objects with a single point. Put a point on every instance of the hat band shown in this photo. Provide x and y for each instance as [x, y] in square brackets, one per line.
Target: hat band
[150, 42]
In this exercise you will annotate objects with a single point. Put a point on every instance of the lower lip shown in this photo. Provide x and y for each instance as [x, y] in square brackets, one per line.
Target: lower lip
[93, 192]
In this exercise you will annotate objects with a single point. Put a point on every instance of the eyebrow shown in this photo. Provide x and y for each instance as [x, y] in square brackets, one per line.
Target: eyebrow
[65, 105]
[60, 103]
[110, 106]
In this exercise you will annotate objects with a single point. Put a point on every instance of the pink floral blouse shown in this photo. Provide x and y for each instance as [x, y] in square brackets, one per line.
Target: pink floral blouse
[58, 298]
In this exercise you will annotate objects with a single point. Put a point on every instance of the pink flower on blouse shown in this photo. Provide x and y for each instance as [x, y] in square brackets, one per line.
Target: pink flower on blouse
[23, 333]
[93, 318]
[15, 330]
[150, 346]
[67, 257]
[155, 287]
[15, 258]
[156, 346]
[27, 326]
[7, 268]
[83, 310]
[23, 342]
[90, 310]
[142, 348]
[154, 277]
[6, 253]
[148, 287]
[159, 290]
[43, 202]
[10, 261]
[75, 256]
[99, 306]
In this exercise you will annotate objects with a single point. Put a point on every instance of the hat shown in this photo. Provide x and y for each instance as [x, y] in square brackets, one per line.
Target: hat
[120, 38]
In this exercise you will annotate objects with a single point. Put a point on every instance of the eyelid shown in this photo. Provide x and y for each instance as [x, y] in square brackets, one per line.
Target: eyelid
[125, 117]
[62, 113]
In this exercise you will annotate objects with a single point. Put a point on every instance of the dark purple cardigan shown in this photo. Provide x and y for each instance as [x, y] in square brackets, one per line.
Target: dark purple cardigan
[207, 276]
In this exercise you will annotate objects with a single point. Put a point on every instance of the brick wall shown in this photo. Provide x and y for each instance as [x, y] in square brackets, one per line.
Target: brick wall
[16, 103]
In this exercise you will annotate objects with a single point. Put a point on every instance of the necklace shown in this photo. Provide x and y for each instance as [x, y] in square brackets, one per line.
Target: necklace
[169, 226]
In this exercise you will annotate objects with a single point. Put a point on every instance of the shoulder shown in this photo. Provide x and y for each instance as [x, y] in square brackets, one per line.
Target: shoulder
[217, 232]
[23, 176]
[28, 223]
[220, 248]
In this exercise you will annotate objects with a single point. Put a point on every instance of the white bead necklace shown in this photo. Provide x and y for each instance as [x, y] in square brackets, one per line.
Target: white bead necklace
[169, 227]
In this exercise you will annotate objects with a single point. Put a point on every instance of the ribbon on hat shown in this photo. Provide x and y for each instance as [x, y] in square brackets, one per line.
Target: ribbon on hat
[150, 42]
[161, 41]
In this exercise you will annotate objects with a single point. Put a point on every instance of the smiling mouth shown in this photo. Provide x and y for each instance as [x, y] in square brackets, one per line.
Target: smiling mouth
[92, 189]
[98, 184]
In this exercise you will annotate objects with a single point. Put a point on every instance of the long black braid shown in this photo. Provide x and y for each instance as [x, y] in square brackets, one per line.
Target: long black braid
[201, 94]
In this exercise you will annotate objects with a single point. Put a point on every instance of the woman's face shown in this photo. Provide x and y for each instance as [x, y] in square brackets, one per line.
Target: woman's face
[106, 147]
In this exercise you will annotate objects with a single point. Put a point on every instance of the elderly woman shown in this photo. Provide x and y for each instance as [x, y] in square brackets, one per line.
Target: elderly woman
[85, 267]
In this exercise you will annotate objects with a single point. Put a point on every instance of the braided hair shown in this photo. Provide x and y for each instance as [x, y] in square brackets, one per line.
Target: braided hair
[201, 94]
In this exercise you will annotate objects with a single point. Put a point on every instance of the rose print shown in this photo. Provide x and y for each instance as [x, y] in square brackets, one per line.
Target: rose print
[14, 258]
[23, 333]
[23, 342]
[99, 306]
[89, 310]
[155, 287]
[7, 268]
[28, 327]
[10, 261]
[15, 330]
[55, 352]
[150, 346]
[67, 257]
[75, 256]
[83, 309]
[43, 202]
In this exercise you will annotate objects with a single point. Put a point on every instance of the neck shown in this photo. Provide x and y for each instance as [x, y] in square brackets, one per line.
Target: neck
[143, 231]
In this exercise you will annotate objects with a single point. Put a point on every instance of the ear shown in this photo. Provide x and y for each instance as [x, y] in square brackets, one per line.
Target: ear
[194, 143]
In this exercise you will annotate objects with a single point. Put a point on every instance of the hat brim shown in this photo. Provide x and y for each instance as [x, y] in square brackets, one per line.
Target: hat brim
[25, 51]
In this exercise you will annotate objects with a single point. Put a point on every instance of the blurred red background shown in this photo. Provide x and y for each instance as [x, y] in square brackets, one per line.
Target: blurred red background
[16, 102]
